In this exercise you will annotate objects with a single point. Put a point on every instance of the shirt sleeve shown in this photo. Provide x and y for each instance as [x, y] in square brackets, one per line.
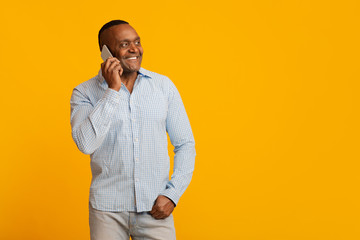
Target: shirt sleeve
[91, 123]
[181, 137]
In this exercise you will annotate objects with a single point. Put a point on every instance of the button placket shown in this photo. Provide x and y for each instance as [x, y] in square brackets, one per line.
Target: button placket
[136, 144]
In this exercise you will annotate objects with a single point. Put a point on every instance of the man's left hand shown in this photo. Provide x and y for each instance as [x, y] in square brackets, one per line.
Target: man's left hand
[162, 208]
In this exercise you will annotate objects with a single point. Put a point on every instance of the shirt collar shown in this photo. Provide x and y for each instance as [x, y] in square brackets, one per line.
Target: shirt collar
[142, 72]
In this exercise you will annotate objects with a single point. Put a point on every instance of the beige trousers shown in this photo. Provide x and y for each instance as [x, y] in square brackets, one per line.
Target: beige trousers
[123, 225]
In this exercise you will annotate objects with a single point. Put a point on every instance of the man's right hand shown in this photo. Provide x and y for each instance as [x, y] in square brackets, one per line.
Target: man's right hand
[111, 71]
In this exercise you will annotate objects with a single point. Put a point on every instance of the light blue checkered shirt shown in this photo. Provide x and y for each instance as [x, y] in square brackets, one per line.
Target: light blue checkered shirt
[125, 135]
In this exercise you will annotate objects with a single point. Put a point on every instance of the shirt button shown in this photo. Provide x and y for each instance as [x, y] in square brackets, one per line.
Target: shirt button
[134, 120]
[137, 159]
[136, 139]
[136, 180]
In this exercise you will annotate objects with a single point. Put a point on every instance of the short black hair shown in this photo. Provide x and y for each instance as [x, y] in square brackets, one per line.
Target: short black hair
[108, 25]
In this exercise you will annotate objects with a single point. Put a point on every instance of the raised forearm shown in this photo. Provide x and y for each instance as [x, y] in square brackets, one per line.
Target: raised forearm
[90, 125]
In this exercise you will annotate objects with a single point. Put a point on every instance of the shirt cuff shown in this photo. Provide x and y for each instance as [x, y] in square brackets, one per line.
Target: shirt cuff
[171, 194]
[112, 95]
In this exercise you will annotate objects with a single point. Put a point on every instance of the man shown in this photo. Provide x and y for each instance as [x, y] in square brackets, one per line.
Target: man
[120, 117]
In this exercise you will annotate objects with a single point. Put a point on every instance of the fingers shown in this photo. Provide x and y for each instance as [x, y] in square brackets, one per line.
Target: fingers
[162, 208]
[153, 210]
[111, 60]
[157, 214]
[110, 64]
[114, 68]
[107, 64]
[121, 71]
[111, 71]
[118, 69]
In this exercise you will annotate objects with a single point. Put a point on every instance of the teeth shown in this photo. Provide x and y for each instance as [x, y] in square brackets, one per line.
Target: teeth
[132, 58]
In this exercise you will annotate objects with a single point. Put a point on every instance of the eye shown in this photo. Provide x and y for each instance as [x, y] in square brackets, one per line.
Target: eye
[124, 44]
[137, 42]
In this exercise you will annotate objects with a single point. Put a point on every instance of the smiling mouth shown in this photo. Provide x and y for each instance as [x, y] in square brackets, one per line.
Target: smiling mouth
[131, 58]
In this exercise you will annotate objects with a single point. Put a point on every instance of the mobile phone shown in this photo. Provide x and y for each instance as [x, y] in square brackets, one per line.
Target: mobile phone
[105, 53]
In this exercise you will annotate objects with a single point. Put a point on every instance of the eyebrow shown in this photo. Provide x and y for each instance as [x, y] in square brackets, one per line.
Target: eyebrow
[128, 40]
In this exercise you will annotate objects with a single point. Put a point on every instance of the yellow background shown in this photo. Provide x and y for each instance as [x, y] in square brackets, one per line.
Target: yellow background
[271, 89]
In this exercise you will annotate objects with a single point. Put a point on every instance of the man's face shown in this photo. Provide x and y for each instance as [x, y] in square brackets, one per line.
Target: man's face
[124, 43]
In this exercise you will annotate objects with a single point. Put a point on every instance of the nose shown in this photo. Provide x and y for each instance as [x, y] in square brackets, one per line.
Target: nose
[133, 48]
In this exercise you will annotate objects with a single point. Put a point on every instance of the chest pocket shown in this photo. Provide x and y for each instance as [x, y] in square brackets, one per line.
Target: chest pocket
[154, 108]
[121, 118]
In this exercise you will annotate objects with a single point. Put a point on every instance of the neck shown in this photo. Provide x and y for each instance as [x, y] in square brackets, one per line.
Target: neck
[129, 77]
